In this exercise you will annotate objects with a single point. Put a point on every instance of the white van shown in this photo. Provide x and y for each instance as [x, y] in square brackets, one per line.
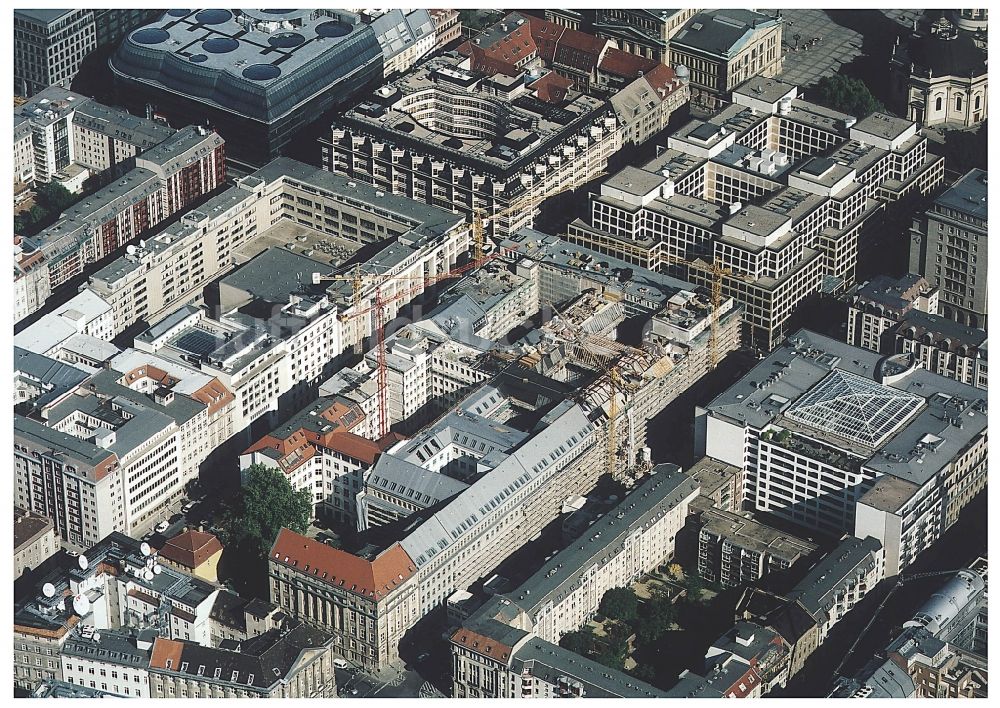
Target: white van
[341, 663]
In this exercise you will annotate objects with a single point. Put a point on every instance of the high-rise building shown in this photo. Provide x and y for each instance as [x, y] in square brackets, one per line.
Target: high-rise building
[49, 46]
[948, 246]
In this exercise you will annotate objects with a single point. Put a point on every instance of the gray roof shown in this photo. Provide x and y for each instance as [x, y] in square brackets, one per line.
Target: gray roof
[220, 57]
[890, 292]
[880, 678]
[721, 32]
[40, 15]
[120, 125]
[755, 536]
[567, 426]
[550, 662]
[397, 31]
[46, 438]
[805, 359]
[55, 375]
[654, 496]
[113, 647]
[275, 274]
[945, 327]
[967, 195]
[413, 483]
[839, 568]
[50, 688]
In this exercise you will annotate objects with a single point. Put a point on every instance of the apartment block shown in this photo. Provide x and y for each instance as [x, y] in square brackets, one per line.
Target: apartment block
[735, 550]
[435, 134]
[948, 246]
[447, 27]
[167, 178]
[293, 661]
[943, 346]
[34, 540]
[841, 439]
[723, 48]
[685, 211]
[880, 303]
[107, 455]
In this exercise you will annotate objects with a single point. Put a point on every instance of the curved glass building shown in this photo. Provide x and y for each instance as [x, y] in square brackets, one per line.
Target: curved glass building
[256, 76]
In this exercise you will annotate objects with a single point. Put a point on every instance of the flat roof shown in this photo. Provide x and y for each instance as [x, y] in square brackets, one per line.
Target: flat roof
[721, 32]
[883, 125]
[968, 195]
[635, 181]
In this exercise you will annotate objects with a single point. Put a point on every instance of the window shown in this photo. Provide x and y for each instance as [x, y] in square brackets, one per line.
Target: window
[958, 103]
[937, 104]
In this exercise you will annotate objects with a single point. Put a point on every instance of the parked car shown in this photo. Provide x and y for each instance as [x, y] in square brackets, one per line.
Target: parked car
[187, 507]
[72, 554]
[341, 663]
[162, 526]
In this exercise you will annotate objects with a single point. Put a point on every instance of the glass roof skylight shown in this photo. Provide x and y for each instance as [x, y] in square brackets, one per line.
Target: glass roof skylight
[854, 408]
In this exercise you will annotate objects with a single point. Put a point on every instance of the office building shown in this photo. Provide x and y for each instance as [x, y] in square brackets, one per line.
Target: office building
[880, 303]
[117, 585]
[948, 246]
[447, 546]
[112, 452]
[294, 661]
[721, 484]
[646, 33]
[259, 76]
[485, 130]
[938, 73]
[318, 451]
[724, 48]
[34, 540]
[841, 439]
[735, 550]
[49, 46]
[111, 661]
[686, 211]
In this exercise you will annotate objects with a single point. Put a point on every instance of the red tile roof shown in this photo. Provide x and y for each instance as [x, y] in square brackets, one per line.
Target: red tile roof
[552, 88]
[164, 650]
[626, 64]
[191, 549]
[370, 579]
[661, 78]
[481, 644]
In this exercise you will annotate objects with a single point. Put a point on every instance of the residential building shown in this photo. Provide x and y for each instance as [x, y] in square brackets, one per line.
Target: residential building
[114, 585]
[748, 661]
[405, 38]
[938, 73]
[724, 48]
[839, 581]
[49, 46]
[235, 619]
[645, 32]
[294, 661]
[167, 179]
[879, 679]
[39, 379]
[52, 688]
[436, 134]
[194, 552]
[447, 546]
[77, 333]
[735, 550]
[936, 668]
[880, 303]
[943, 346]
[841, 439]
[111, 661]
[31, 280]
[447, 27]
[685, 212]
[789, 619]
[721, 484]
[260, 75]
[112, 456]
[948, 246]
[633, 538]
[34, 540]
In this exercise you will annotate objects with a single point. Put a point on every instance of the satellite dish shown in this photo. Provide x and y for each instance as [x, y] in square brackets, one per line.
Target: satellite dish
[84, 563]
[145, 548]
[97, 636]
[49, 590]
[81, 605]
[157, 569]
[148, 575]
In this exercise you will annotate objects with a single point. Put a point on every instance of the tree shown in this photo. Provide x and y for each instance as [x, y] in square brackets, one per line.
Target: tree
[620, 604]
[848, 95]
[660, 617]
[675, 570]
[578, 642]
[264, 505]
[54, 197]
[694, 584]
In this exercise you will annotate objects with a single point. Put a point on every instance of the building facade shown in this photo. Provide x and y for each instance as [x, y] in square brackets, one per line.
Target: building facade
[34, 540]
[49, 46]
[646, 33]
[878, 305]
[948, 246]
